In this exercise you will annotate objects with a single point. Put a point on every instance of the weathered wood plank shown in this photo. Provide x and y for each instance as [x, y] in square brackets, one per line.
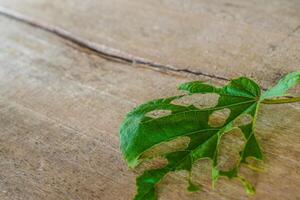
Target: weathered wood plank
[60, 109]
[225, 38]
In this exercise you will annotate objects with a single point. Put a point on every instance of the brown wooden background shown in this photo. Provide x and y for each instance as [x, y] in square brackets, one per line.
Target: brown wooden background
[71, 69]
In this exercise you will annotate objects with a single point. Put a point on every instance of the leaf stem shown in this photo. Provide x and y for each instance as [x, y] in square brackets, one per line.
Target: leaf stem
[281, 101]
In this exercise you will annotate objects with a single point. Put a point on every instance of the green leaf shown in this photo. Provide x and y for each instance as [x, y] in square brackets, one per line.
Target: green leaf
[141, 131]
[280, 89]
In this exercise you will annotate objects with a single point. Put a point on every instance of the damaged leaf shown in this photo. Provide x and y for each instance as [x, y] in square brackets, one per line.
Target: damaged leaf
[204, 126]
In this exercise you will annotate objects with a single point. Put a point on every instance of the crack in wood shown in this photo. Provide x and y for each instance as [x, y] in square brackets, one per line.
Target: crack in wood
[102, 50]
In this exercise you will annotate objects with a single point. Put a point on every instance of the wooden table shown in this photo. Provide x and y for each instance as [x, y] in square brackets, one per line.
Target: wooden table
[70, 70]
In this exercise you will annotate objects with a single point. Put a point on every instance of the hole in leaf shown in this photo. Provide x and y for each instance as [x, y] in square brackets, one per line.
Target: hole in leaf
[242, 120]
[174, 181]
[158, 113]
[219, 117]
[154, 163]
[230, 145]
[178, 144]
[198, 100]
[201, 173]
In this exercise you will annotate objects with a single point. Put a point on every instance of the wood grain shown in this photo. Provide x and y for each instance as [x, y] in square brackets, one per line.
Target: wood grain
[61, 106]
[219, 38]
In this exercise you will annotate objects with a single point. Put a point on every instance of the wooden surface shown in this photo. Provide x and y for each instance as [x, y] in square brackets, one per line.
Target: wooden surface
[221, 38]
[61, 103]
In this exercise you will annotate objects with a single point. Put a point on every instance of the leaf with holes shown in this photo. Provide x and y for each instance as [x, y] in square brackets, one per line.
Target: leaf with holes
[164, 120]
